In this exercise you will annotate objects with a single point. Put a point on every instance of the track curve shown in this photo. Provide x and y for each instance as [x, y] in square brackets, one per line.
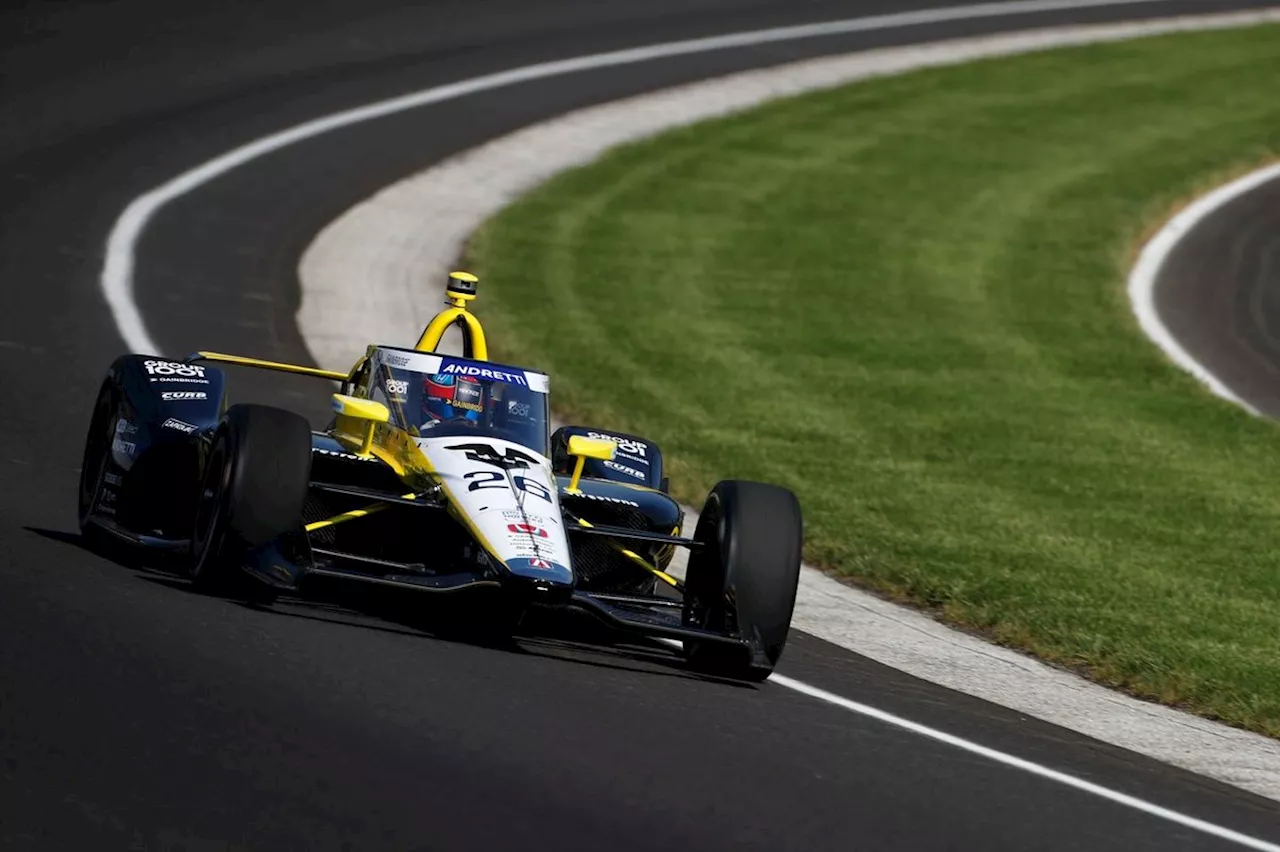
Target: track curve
[133, 712]
[1218, 295]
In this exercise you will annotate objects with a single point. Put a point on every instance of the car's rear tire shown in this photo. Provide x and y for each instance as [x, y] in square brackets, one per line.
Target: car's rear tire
[742, 577]
[94, 465]
[252, 491]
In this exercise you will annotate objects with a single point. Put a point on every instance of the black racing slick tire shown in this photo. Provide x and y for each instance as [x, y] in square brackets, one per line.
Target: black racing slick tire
[252, 491]
[94, 465]
[742, 577]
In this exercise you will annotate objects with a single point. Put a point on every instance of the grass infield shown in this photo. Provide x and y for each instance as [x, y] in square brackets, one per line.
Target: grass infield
[905, 300]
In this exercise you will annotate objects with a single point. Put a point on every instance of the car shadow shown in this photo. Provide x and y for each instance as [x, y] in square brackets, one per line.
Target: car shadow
[657, 661]
[328, 614]
[119, 553]
[571, 636]
[561, 644]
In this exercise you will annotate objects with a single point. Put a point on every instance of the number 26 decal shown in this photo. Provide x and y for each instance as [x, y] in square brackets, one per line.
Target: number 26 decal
[484, 479]
[481, 479]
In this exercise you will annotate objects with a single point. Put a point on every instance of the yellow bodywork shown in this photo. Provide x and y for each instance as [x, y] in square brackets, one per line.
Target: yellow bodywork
[357, 418]
[588, 448]
[355, 408]
[460, 290]
[353, 514]
[273, 365]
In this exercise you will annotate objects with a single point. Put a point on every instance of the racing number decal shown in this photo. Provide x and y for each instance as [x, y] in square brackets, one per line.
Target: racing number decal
[491, 479]
[482, 479]
[531, 487]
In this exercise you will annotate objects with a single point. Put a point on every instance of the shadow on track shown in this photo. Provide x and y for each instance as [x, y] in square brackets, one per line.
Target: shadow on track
[569, 635]
[148, 562]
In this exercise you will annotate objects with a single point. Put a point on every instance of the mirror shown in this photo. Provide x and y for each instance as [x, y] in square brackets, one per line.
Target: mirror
[592, 448]
[588, 448]
[359, 409]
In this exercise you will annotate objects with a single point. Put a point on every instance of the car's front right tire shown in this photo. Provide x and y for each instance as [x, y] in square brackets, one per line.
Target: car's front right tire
[252, 491]
[742, 577]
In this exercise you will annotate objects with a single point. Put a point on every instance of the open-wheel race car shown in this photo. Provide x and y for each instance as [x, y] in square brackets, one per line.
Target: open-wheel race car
[438, 475]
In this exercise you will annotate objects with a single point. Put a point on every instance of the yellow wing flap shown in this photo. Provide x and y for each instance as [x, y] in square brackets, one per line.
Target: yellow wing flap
[279, 366]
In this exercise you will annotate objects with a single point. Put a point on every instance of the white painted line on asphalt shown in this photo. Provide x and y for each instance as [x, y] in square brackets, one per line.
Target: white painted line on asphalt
[1028, 766]
[116, 280]
[1145, 273]
[1013, 762]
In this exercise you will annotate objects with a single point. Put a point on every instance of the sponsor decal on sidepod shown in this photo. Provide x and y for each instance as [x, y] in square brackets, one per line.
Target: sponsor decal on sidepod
[631, 449]
[174, 371]
[597, 497]
[342, 455]
[173, 368]
[622, 468]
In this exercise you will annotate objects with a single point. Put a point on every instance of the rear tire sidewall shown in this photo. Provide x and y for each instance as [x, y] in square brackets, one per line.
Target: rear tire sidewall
[96, 459]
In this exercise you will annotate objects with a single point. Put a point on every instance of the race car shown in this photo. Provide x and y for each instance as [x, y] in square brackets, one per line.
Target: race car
[438, 475]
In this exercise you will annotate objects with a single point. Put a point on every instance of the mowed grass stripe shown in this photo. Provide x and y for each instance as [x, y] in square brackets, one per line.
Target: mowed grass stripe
[905, 300]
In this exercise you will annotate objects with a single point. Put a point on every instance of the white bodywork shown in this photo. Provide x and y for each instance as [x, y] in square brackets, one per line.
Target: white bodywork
[510, 500]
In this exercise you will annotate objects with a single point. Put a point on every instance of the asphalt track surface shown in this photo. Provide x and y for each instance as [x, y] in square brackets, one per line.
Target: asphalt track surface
[136, 714]
[1218, 294]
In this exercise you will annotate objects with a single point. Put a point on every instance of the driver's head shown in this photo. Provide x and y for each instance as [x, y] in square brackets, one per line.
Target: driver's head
[448, 397]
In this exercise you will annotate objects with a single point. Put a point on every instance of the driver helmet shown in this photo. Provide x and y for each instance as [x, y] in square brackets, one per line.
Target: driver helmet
[450, 398]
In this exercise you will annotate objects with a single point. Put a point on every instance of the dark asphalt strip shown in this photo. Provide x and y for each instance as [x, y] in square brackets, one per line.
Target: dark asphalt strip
[153, 709]
[1218, 294]
[135, 713]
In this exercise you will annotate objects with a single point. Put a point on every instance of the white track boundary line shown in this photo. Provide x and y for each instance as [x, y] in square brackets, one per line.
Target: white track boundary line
[1004, 759]
[1027, 766]
[1145, 273]
[117, 278]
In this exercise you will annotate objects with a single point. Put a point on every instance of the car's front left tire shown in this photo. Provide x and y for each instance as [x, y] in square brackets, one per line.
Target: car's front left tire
[252, 491]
